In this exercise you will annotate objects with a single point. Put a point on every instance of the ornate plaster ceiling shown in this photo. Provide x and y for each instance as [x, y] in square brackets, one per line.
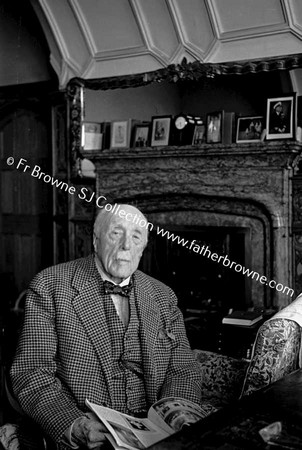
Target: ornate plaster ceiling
[94, 39]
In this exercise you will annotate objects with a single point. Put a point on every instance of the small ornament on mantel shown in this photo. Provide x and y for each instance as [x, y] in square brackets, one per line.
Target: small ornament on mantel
[183, 128]
[87, 168]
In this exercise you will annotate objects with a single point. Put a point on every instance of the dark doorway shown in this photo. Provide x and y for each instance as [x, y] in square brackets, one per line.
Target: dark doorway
[26, 202]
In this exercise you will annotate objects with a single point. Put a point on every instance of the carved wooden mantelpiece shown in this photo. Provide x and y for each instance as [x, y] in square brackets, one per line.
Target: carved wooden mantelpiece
[297, 231]
[246, 185]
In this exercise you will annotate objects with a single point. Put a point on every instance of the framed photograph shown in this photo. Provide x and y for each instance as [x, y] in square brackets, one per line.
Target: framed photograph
[141, 134]
[199, 134]
[160, 130]
[249, 129]
[281, 117]
[120, 134]
[214, 122]
[92, 136]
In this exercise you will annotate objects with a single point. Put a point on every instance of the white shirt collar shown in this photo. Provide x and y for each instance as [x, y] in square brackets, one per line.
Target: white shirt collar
[105, 277]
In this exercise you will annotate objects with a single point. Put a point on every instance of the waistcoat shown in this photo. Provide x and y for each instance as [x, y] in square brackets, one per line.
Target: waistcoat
[127, 370]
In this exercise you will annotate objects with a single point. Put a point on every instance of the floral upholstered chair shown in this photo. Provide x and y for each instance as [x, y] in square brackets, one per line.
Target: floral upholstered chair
[222, 377]
[277, 349]
[276, 354]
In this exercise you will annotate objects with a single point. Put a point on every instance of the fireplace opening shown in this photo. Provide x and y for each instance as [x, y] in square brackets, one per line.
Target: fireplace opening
[198, 281]
[206, 289]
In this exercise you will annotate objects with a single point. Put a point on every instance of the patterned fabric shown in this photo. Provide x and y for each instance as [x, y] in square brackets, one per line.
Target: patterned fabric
[276, 353]
[129, 395]
[63, 355]
[222, 377]
[293, 311]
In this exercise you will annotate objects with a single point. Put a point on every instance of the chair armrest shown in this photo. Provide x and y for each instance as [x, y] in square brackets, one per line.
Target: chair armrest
[22, 435]
[9, 436]
[222, 376]
[276, 353]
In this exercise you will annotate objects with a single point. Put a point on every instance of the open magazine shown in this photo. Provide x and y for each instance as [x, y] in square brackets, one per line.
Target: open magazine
[165, 417]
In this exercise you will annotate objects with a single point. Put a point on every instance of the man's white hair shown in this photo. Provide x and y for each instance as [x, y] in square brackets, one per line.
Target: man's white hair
[104, 217]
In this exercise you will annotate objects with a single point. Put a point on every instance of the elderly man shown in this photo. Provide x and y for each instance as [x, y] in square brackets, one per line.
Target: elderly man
[100, 329]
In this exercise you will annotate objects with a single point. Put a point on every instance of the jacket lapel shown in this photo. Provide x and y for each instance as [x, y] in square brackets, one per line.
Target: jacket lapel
[89, 307]
[148, 313]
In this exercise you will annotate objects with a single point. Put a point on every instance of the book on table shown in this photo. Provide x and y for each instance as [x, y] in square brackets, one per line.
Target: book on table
[245, 318]
[164, 418]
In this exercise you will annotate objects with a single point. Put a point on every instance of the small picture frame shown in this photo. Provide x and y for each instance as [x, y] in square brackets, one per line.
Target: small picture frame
[92, 136]
[249, 129]
[141, 133]
[214, 123]
[120, 134]
[199, 134]
[281, 117]
[160, 130]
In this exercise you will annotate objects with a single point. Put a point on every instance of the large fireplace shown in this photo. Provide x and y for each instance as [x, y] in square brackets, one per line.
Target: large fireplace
[240, 233]
[234, 201]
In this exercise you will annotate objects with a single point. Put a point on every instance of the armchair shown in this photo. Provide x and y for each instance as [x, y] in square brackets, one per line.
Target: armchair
[276, 353]
[19, 432]
[222, 377]
[277, 350]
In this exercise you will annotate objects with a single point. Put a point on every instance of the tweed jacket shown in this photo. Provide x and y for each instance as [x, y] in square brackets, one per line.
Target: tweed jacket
[64, 355]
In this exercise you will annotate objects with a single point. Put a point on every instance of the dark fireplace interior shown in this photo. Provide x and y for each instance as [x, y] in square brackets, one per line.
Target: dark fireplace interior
[199, 282]
[206, 289]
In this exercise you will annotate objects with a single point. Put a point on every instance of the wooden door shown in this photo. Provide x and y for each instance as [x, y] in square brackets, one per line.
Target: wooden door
[26, 201]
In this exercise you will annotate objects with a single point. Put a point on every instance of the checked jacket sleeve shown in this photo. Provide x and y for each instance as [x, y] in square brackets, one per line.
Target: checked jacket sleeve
[41, 394]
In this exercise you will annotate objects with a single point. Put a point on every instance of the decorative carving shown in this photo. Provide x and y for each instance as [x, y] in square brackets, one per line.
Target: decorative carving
[297, 202]
[60, 171]
[298, 262]
[193, 71]
[244, 172]
[82, 210]
[75, 94]
[59, 140]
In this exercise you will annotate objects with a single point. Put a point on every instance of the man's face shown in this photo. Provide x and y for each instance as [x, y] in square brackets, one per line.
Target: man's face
[279, 109]
[120, 244]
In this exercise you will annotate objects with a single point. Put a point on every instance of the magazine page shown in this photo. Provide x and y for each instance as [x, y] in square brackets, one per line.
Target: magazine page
[174, 412]
[113, 442]
[128, 432]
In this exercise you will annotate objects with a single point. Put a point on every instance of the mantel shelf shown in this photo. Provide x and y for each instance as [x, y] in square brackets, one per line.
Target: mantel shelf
[284, 147]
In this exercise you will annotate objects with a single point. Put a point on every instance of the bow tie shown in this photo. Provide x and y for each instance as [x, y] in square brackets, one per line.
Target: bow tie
[111, 288]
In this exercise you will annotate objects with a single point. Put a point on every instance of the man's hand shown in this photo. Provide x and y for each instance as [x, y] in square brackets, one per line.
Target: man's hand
[89, 432]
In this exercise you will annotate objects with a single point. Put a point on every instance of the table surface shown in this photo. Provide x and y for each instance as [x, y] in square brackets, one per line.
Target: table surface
[237, 426]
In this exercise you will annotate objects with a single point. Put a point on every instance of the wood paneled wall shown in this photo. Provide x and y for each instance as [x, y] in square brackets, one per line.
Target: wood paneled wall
[25, 218]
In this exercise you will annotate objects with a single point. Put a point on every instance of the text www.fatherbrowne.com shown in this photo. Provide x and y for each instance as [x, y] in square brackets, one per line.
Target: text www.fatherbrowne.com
[205, 251]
